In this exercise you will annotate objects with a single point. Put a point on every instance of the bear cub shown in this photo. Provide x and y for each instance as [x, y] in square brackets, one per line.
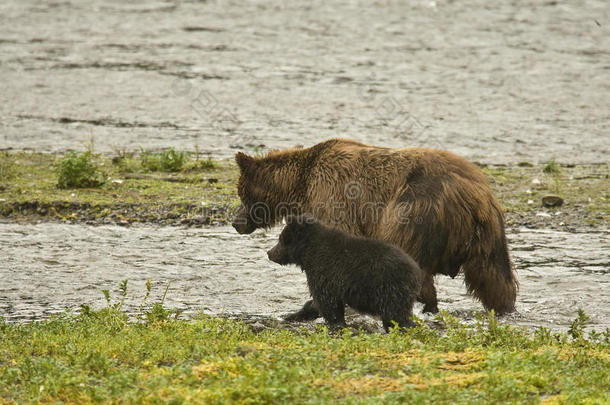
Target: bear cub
[370, 276]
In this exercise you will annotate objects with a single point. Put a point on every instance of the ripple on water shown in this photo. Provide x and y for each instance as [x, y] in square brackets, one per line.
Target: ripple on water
[50, 267]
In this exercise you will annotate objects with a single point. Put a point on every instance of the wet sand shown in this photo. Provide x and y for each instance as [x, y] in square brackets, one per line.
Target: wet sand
[51, 267]
[497, 83]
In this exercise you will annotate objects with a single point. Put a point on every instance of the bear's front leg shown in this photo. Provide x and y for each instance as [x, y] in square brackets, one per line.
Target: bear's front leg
[309, 312]
[333, 312]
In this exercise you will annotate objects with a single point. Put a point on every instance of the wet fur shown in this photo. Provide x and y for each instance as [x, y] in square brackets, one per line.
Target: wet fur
[435, 205]
[370, 276]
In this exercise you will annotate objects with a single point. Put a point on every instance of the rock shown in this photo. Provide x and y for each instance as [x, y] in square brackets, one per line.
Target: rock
[257, 327]
[552, 201]
[198, 219]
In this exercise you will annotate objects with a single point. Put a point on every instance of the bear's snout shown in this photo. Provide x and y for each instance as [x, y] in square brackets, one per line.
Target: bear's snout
[275, 255]
[243, 229]
[272, 253]
[241, 222]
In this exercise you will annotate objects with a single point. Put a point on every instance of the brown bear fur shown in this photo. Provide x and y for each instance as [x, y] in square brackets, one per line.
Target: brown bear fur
[369, 275]
[435, 205]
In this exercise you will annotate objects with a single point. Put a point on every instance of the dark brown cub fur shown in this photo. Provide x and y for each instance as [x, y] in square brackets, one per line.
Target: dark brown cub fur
[370, 276]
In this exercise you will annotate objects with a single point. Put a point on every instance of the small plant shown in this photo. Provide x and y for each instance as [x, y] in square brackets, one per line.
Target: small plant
[168, 161]
[201, 164]
[120, 155]
[551, 167]
[113, 316]
[207, 164]
[577, 329]
[78, 171]
[7, 167]
[117, 305]
[148, 290]
[158, 313]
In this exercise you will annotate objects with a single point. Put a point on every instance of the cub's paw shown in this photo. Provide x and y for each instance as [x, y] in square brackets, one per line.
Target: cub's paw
[308, 313]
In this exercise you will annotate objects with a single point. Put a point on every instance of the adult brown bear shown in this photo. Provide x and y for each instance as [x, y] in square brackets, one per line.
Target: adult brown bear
[435, 205]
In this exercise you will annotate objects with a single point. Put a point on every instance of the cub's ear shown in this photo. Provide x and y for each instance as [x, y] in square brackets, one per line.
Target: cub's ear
[244, 161]
[301, 219]
[293, 219]
[299, 225]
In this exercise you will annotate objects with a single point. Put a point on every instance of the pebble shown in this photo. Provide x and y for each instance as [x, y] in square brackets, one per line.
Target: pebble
[552, 201]
[257, 327]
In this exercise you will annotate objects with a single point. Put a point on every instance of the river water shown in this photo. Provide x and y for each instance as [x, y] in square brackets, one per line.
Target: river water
[499, 82]
[49, 267]
[496, 82]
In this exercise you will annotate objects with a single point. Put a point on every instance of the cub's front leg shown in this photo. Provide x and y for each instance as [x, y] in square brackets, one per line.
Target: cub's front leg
[332, 310]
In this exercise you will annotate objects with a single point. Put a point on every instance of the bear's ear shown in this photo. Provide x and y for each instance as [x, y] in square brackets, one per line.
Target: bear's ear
[293, 219]
[299, 225]
[301, 219]
[244, 161]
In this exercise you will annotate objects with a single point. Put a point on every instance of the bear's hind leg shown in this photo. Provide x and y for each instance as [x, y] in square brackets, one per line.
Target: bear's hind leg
[402, 318]
[495, 287]
[427, 294]
[490, 277]
[309, 312]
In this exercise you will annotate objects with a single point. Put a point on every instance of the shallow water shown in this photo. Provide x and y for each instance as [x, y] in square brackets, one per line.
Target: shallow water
[50, 267]
[495, 82]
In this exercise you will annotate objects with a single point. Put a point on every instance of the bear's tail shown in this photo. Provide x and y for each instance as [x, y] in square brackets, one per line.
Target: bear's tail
[488, 271]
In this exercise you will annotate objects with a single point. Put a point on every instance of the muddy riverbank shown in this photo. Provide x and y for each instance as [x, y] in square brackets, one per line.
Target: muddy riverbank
[205, 194]
[51, 267]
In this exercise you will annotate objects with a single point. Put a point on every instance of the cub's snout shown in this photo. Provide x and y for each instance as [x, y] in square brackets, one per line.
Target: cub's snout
[273, 254]
[279, 255]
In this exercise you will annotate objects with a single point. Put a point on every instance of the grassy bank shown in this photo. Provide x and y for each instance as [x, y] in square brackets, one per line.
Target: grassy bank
[170, 189]
[132, 189]
[100, 356]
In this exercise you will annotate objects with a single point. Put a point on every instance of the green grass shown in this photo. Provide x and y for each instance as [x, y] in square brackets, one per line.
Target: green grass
[551, 167]
[206, 164]
[79, 170]
[101, 356]
[130, 191]
[164, 161]
[7, 167]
